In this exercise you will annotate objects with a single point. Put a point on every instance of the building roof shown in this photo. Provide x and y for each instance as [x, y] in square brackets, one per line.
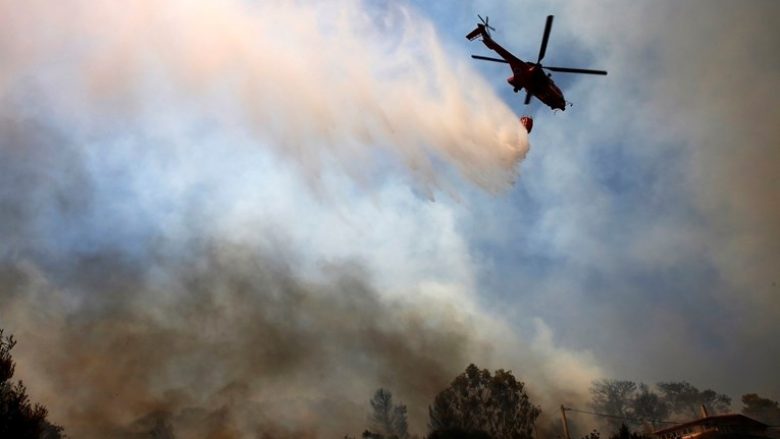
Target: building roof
[733, 418]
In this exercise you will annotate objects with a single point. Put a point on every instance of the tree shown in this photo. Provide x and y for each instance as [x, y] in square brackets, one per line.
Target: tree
[18, 417]
[625, 433]
[635, 405]
[614, 398]
[648, 406]
[477, 402]
[686, 400]
[592, 435]
[458, 434]
[762, 409]
[386, 418]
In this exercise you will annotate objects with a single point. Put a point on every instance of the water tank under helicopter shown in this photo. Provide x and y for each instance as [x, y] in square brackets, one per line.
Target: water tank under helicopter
[527, 122]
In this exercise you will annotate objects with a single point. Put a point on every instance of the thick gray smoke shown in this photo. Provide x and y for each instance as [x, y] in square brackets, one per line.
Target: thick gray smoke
[145, 307]
[660, 200]
[195, 334]
[229, 340]
[163, 265]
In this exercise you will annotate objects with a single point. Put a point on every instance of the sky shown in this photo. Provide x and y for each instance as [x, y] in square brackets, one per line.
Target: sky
[244, 217]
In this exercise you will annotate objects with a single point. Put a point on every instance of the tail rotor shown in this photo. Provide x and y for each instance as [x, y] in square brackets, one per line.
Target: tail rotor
[486, 22]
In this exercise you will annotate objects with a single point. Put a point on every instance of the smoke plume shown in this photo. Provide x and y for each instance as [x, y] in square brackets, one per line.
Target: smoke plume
[313, 82]
[229, 341]
[177, 257]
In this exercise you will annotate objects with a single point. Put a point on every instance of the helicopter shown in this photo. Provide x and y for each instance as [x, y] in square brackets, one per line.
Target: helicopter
[528, 75]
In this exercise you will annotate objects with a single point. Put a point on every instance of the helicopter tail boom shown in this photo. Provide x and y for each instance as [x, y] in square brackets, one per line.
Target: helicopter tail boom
[476, 33]
[483, 29]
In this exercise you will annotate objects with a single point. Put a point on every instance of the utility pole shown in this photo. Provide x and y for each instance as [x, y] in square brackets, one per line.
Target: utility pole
[565, 423]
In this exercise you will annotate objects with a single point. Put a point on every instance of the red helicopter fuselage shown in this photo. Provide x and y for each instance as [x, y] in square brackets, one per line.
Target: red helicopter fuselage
[524, 74]
[534, 80]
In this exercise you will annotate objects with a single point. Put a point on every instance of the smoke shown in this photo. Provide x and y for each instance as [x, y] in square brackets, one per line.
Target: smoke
[136, 325]
[144, 314]
[344, 80]
[232, 342]
[658, 205]
[207, 227]
[709, 148]
[228, 340]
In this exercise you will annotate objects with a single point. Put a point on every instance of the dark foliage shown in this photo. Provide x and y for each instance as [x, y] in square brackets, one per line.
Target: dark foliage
[19, 418]
[477, 402]
[370, 435]
[613, 397]
[386, 418]
[638, 405]
[648, 407]
[623, 433]
[592, 435]
[458, 434]
[686, 400]
[761, 409]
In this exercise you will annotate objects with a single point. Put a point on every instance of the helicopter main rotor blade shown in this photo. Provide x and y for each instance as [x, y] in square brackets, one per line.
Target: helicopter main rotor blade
[528, 97]
[572, 70]
[487, 58]
[545, 38]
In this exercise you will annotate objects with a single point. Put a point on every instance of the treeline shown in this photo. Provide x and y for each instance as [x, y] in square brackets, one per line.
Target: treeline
[477, 404]
[20, 418]
[638, 404]
[481, 405]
